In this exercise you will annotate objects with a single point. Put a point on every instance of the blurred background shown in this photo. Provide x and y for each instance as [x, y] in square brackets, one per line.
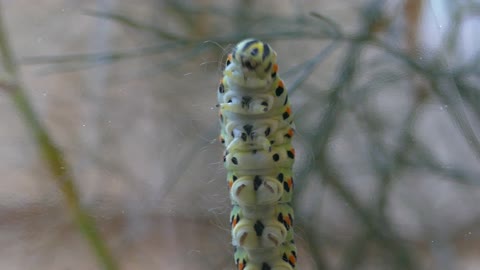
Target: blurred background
[124, 131]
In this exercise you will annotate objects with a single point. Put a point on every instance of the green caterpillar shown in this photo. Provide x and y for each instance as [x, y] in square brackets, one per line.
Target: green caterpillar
[256, 129]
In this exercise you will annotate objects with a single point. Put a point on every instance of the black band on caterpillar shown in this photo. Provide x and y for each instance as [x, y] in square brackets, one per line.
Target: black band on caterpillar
[257, 131]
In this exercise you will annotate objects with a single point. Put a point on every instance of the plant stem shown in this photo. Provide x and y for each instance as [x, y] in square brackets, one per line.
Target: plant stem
[52, 155]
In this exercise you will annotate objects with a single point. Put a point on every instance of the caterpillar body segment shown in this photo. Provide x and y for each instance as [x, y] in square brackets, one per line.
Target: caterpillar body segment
[252, 101]
[283, 257]
[257, 130]
[262, 134]
[267, 189]
[278, 157]
[261, 227]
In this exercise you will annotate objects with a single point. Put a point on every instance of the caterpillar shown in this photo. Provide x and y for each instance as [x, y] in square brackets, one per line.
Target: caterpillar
[257, 130]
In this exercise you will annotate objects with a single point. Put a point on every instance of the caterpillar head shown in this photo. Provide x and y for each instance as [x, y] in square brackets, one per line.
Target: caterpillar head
[255, 57]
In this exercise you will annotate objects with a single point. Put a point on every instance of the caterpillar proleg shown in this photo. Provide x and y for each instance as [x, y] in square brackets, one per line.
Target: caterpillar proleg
[257, 130]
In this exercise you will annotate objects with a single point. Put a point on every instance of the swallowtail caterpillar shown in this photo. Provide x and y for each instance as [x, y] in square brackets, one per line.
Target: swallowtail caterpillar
[256, 130]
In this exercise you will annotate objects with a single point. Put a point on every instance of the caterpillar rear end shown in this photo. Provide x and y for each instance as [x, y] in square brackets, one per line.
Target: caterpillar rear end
[257, 131]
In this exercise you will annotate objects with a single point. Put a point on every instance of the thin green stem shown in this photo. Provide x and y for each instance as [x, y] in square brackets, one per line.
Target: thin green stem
[52, 155]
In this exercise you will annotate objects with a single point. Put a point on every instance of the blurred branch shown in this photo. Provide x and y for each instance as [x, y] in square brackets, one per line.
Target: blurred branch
[53, 156]
[376, 225]
[307, 68]
[421, 158]
[126, 21]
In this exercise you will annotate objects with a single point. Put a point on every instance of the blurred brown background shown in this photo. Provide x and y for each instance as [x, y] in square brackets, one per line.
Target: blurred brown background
[387, 112]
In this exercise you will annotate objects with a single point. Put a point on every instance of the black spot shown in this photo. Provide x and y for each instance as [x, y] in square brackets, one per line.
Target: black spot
[248, 129]
[287, 135]
[264, 103]
[286, 187]
[244, 137]
[286, 100]
[267, 131]
[279, 91]
[284, 257]
[246, 101]
[266, 51]
[276, 157]
[221, 88]
[254, 151]
[280, 177]
[234, 160]
[265, 266]
[254, 52]
[290, 154]
[249, 44]
[285, 115]
[221, 117]
[222, 140]
[280, 218]
[232, 134]
[224, 158]
[229, 101]
[272, 142]
[234, 177]
[269, 66]
[248, 64]
[259, 227]
[257, 181]
[228, 62]
[274, 74]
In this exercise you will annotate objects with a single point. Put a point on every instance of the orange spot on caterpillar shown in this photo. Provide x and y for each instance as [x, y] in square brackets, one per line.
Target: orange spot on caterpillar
[290, 182]
[290, 132]
[289, 110]
[292, 260]
[235, 221]
[288, 220]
